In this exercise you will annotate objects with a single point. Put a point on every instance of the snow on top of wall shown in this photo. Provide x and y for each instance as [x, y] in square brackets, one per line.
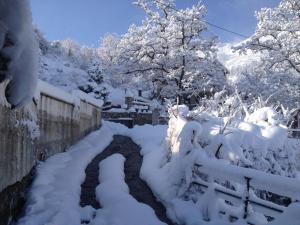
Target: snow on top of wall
[74, 98]
[50, 90]
[87, 98]
[18, 50]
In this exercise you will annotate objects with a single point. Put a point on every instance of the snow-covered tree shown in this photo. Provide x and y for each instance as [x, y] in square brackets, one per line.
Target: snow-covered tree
[70, 46]
[95, 84]
[88, 56]
[278, 36]
[108, 50]
[44, 44]
[250, 77]
[277, 40]
[168, 52]
[109, 53]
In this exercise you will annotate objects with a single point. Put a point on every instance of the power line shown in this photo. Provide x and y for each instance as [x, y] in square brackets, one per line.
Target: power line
[224, 29]
[211, 24]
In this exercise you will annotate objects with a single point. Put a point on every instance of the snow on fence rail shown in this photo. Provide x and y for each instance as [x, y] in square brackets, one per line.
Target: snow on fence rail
[207, 153]
[251, 180]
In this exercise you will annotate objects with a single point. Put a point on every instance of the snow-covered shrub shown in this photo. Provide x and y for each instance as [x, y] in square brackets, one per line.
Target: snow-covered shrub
[18, 51]
[180, 142]
[183, 150]
[259, 141]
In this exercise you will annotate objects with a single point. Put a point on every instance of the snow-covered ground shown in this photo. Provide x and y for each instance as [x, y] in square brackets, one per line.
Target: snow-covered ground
[119, 207]
[162, 177]
[55, 194]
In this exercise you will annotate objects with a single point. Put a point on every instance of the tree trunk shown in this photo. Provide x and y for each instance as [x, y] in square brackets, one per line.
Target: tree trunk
[180, 86]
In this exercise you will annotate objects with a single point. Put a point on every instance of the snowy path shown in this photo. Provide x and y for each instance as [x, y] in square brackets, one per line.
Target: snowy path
[61, 184]
[138, 188]
[54, 196]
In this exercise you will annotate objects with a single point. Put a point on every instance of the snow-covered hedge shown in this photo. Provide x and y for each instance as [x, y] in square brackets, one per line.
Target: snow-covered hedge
[18, 51]
[259, 141]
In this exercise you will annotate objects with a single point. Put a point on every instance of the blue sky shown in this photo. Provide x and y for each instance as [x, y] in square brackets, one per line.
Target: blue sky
[86, 21]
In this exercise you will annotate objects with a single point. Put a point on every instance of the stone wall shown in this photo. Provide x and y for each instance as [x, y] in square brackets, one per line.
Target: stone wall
[51, 124]
[123, 117]
[133, 118]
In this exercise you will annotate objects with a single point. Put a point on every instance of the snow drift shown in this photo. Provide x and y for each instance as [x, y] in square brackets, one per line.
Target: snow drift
[18, 51]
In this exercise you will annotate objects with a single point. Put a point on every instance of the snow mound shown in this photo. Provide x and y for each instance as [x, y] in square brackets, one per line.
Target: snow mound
[18, 51]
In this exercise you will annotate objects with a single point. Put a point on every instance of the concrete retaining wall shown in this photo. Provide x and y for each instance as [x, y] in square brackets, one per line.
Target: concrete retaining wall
[59, 118]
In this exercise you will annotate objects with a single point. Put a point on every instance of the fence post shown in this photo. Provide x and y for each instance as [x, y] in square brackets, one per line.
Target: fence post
[246, 201]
